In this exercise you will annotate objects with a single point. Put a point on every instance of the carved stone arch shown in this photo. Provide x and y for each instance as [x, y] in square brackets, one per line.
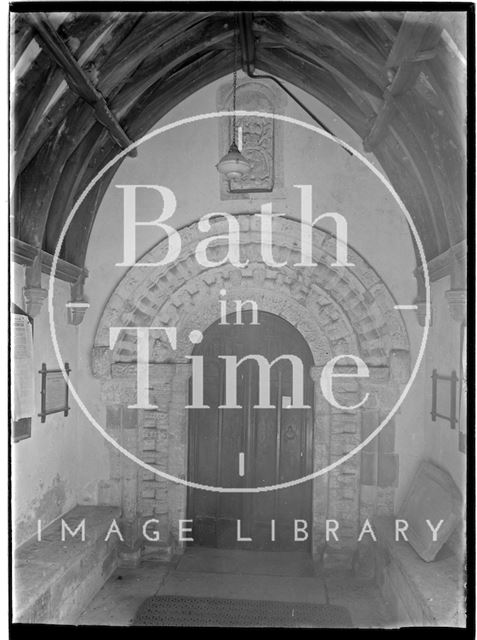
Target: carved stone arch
[341, 300]
[345, 310]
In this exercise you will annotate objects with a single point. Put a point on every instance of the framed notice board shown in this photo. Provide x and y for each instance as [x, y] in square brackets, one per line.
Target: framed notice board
[22, 379]
[54, 391]
[444, 389]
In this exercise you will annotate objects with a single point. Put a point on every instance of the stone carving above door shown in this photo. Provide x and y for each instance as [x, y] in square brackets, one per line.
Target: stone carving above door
[261, 138]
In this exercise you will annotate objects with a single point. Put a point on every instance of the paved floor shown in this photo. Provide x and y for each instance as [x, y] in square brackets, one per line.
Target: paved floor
[119, 599]
[287, 577]
[289, 564]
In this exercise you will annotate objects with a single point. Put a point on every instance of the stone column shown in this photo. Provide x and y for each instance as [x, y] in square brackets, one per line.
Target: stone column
[178, 450]
[336, 493]
[321, 457]
[130, 550]
[154, 443]
[343, 481]
[122, 424]
[379, 463]
[117, 392]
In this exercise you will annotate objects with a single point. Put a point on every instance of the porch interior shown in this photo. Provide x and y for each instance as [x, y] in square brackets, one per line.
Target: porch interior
[391, 86]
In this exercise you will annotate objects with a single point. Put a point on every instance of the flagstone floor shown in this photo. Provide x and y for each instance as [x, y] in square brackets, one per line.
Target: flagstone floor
[287, 577]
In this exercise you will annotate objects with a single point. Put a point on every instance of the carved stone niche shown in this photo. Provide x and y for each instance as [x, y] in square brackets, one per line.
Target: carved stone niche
[262, 138]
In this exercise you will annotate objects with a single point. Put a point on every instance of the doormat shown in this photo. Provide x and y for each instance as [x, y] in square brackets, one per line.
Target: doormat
[184, 611]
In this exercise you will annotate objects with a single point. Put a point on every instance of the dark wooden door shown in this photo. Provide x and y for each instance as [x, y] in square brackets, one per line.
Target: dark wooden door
[276, 444]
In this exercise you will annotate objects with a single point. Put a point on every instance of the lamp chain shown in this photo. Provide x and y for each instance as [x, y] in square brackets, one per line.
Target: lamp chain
[234, 91]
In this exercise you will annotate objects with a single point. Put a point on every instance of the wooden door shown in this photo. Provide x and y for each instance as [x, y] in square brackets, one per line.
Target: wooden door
[276, 444]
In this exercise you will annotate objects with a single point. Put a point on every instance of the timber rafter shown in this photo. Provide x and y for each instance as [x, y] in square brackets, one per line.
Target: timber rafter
[77, 78]
[97, 81]
[415, 43]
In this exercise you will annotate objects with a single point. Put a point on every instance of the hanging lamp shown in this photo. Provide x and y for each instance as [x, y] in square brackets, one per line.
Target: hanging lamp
[233, 165]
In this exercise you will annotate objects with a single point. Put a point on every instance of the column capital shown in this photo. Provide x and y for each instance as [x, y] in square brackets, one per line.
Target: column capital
[34, 297]
[163, 371]
[78, 305]
[183, 370]
[421, 313]
[457, 301]
[315, 373]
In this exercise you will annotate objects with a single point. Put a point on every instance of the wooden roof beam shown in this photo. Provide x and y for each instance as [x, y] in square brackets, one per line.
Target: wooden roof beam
[247, 41]
[414, 32]
[24, 253]
[415, 43]
[77, 79]
[20, 38]
[163, 96]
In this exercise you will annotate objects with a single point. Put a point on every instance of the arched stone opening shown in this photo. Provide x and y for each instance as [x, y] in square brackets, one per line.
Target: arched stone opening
[345, 310]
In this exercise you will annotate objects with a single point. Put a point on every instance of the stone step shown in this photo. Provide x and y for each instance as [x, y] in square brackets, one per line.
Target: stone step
[246, 587]
[53, 579]
[291, 564]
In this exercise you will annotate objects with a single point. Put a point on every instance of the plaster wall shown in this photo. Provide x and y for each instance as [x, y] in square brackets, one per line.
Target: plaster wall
[444, 355]
[45, 466]
[435, 441]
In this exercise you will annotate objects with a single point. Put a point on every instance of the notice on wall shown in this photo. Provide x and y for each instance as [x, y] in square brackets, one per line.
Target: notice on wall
[463, 393]
[23, 369]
